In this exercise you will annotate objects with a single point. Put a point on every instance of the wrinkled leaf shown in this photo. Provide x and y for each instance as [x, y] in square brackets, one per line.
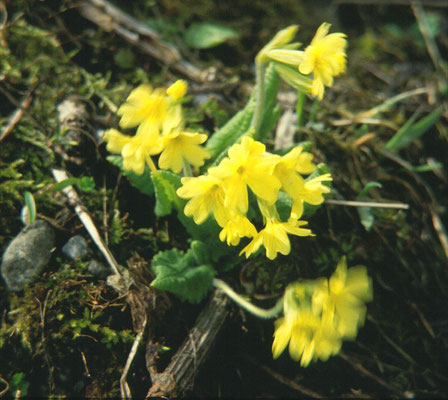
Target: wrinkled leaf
[178, 273]
[141, 182]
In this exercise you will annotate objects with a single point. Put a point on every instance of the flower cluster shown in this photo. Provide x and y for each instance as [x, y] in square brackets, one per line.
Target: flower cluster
[320, 314]
[223, 192]
[322, 60]
[157, 114]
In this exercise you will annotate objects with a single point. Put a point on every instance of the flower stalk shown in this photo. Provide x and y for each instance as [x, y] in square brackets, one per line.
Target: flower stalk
[247, 305]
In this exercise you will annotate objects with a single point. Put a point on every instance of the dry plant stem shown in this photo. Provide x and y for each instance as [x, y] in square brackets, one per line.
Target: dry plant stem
[372, 204]
[179, 376]
[17, 116]
[440, 230]
[422, 22]
[61, 175]
[124, 387]
[366, 116]
[428, 3]
[286, 381]
[356, 365]
[42, 311]
[111, 18]
[6, 389]
[436, 221]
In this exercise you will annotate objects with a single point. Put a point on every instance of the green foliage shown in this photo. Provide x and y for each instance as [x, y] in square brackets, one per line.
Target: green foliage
[365, 213]
[239, 124]
[19, 382]
[85, 183]
[206, 35]
[165, 184]
[183, 274]
[229, 134]
[141, 182]
[412, 130]
[271, 110]
[29, 209]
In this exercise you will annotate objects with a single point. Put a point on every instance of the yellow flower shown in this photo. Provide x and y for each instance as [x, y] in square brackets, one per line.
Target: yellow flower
[235, 229]
[135, 150]
[148, 104]
[180, 146]
[247, 165]
[310, 192]
[207, 195]
[325, 57]
[342, 298]
[177, 90]
[274, 237]
[116, 140]
[309, 336]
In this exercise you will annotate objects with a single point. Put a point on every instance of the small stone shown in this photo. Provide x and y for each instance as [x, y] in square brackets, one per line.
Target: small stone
[98, 269]
[76, 248]
[27, 255]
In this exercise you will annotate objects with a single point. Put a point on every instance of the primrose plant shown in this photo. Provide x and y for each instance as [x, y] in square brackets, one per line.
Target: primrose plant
[232, 189]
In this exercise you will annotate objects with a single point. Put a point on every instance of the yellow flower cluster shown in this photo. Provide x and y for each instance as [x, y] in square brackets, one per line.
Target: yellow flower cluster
[319, 314]
[158, 115]
[324, 58]
[223, 192]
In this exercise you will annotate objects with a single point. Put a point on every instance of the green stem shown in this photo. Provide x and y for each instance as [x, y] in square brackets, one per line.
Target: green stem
[301, 97]
[187, 168]
[259, 98]
[247, 305]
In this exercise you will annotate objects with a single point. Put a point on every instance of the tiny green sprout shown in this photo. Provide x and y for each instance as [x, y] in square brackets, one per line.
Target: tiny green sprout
[28, 213]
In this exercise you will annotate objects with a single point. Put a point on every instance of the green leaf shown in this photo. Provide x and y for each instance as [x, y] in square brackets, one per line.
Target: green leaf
[239, 124]
[141, 182]
[165, 185]
[206, 35]
[208, 233]
[85, 183]
[19, 382]
[29, 210]
[272, 111]
[231, 131]
[411, 131]
[365, 213]
[178, 273]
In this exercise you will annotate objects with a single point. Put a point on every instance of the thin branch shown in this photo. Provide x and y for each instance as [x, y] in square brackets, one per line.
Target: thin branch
[428, 3]
[124, 387]
[423, 25]
[6, 389]
[359, 367]
[81, 211]
[179, 376]
[17, 115]
[286, 381]
[111, 18]
[350, 203]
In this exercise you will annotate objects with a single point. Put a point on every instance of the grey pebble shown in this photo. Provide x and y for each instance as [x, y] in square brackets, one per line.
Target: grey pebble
[27, 255]
[98, 269]
[76, 248]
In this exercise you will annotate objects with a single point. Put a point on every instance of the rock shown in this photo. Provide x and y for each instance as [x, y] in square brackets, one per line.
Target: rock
[97, 269]
[76, 248]
[27, 255]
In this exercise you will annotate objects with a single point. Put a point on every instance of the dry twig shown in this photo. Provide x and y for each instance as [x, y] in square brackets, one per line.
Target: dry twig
[286, 381]
[111, 18]
[73, 198]
[179, 376]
